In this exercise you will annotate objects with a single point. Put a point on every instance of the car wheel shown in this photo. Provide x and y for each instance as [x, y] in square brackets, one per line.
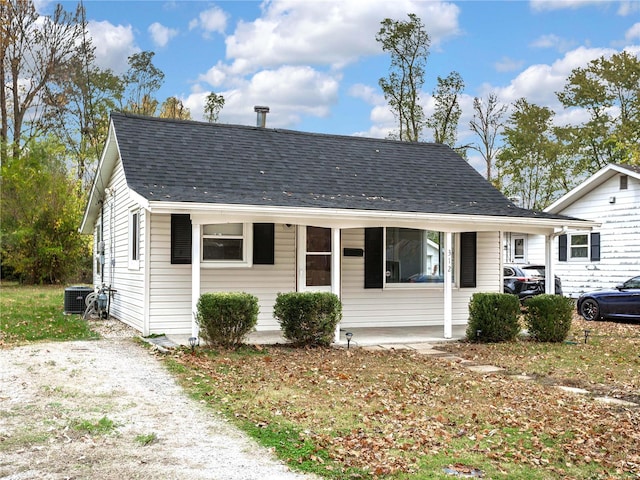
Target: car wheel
[590, 309]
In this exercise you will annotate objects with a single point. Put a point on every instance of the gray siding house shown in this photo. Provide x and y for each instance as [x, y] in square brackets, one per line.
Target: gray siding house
[404, 233]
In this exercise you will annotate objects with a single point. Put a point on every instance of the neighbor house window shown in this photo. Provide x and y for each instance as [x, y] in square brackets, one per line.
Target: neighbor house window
[224, 242]
[579, 246]
[134, 239]
[624, 182]
[414, 256]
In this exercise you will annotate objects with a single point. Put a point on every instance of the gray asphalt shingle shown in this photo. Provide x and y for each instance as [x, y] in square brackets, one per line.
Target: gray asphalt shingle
[185, 161]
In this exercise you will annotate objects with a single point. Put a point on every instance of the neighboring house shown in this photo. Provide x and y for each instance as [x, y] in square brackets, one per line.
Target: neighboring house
[404, 233]
[610, 254]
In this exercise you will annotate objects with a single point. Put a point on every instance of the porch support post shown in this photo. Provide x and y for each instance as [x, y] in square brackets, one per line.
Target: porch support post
[195, 275]
[335, 270]
[447, 298]
[550, 279]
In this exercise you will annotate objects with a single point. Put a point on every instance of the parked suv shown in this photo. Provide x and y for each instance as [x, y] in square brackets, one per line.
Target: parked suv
[527, 280]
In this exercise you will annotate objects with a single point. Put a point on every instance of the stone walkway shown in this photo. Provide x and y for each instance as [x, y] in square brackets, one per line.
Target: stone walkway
[432, 350]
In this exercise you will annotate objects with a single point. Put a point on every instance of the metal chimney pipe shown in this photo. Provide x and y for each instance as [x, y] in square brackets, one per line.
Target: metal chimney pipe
[261, 120]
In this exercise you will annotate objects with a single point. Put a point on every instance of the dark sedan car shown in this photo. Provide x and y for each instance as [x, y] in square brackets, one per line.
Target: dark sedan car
[620, 302]
[527, 280]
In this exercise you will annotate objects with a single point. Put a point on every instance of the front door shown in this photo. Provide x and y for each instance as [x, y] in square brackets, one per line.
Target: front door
[314, 259]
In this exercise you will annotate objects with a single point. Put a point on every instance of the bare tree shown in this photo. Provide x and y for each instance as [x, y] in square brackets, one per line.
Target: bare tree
[486, 123]
[32, 50]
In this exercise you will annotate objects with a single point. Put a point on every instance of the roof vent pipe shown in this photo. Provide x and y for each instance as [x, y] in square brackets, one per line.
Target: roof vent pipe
[261, 121]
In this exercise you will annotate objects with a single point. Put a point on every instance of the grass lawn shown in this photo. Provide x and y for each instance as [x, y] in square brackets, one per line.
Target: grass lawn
[401, 415]
[35, 313]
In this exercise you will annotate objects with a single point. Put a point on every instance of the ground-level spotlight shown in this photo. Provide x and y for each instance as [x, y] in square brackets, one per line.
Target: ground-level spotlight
[193, 343]
[348, 336]
[586, 335]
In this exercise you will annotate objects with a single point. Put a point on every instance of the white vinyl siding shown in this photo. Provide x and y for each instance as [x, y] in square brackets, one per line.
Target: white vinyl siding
[411, 306]
[170, 285]
[619, 213]
[127, 303]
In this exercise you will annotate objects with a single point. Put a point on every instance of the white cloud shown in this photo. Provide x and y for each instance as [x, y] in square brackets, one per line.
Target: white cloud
[161, 34]
[331, 32]
[507, 64]
[213, 20]
[628, 8]
[114, 44]
[289, 91]
[553, 41]
[633, 33]
[367, 93]
[539, 83]
[542, 5]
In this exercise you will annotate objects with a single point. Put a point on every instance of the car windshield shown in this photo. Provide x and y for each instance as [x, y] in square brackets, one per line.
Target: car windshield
[632, 283]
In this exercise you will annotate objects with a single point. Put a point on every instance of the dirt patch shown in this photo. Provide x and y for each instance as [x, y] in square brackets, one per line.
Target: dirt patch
[108, 409]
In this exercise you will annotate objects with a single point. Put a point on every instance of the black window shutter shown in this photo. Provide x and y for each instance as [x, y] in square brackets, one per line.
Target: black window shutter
[373, 257]
[263, 243]
[562, 248]
[180, 239]
[468, 254]
[595, 247]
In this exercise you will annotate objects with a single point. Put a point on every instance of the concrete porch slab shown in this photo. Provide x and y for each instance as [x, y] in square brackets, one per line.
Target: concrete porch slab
[362, 336]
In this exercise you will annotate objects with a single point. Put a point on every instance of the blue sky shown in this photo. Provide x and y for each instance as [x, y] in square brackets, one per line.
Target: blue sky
[316, 63]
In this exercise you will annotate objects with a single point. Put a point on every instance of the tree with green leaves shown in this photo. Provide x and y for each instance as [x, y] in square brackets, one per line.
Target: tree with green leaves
[40, 209]
[609, 90]
[532, 165]
[33, 48]
[142, 80]
[213, 106]
[408, 44]
[486, 124]
[173, 107]
[446, 116]
[78, 102]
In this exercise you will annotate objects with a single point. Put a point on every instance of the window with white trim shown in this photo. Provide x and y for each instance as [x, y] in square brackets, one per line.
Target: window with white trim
[134, 239]
[225, 243]
[579, 246]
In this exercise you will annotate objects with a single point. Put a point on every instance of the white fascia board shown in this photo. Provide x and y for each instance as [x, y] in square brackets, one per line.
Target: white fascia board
[588, 185]
[203, 213]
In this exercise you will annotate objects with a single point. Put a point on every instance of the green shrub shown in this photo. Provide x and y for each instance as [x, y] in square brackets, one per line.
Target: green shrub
[493, 317]
[227, 318]
[548, 317]
[308, 318]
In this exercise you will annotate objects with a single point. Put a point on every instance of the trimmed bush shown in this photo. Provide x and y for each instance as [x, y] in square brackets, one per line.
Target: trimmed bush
[225, 319]
[493, 317]
[308, 318]
[548, 317]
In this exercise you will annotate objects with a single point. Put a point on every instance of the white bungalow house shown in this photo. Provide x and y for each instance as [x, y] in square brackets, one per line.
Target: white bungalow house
[179, 208]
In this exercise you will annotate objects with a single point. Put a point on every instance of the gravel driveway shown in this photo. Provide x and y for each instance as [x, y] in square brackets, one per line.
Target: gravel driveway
[48, 389]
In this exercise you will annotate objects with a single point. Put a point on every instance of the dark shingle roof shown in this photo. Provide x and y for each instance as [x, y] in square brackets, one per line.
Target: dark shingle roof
[184, 161]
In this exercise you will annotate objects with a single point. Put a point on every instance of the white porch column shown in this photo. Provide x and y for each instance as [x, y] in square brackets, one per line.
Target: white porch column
[447, 298]
[335, 270]
[195, 275]
[550, 279]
